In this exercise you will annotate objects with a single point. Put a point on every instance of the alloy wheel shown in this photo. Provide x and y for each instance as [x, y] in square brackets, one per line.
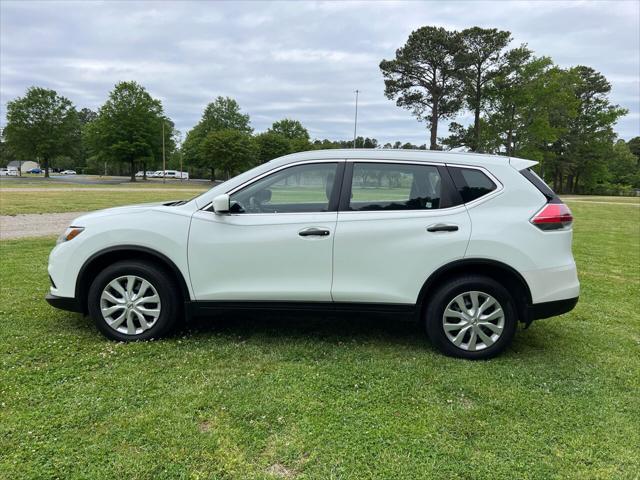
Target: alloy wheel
[473, 321]
[130, 304]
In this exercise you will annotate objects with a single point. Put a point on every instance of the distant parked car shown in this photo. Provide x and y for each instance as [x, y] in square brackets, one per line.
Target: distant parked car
[4, 172]
[11, 172]
[171, 174]
[68, 172]
[149, 173]
[35, 170]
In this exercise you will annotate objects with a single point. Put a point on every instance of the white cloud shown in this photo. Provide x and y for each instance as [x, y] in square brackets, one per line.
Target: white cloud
[289, 59]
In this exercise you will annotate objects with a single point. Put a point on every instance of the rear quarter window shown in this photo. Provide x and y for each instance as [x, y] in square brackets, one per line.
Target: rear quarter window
[539, 184]
[471, 183]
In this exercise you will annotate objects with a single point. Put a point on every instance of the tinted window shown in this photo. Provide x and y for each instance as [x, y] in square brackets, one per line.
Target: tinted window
[538, 183]
[471, 183]
[304, 188]
[382, 186]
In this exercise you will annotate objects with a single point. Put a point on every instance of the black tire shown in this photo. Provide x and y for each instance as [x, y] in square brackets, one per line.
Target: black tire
[450, 290]
[165, 285]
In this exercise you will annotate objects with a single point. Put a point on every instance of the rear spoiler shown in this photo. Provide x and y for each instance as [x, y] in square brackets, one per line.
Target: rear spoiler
[521, 163]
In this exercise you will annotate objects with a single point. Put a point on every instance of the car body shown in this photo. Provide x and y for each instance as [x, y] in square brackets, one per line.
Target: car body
[9, 172]
[468, 244]
[68, 172]
[149, 174]
[171, 174]
[35, 170]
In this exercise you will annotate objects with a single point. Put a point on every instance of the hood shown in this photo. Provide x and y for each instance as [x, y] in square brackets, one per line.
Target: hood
[107, 212]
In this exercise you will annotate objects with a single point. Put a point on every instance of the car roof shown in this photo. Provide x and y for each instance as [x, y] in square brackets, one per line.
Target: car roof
[431, 156]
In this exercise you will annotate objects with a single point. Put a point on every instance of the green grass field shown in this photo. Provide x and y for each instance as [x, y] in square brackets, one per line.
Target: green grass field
[326, 398]
[54, 200]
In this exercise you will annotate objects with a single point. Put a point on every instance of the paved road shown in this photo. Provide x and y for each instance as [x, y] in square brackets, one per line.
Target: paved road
[35, 224]
[102, 189]
[98, 180]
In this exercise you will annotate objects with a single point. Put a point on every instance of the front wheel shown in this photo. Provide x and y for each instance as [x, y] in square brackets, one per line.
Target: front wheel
[133, 300]
[471, 317]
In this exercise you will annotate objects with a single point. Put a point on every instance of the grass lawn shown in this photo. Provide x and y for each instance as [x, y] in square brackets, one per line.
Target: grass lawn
[322, 398]
[56, 200]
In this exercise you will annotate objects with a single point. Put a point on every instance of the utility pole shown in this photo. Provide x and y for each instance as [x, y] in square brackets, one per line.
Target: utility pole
[164, 160]
[355, 123]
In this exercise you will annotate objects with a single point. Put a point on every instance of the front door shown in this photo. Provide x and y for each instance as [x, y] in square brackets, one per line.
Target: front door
[276, 244]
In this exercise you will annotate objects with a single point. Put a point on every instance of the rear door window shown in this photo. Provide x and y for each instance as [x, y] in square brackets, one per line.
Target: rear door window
[395, 186]
[471, 183]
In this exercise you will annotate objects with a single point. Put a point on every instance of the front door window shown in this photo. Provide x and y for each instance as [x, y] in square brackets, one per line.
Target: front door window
[302, 188]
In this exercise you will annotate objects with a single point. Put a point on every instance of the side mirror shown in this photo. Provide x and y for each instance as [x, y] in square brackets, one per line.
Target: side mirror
[221, 203]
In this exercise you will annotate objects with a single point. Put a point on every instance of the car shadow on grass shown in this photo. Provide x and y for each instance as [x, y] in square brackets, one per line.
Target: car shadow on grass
[362, 328]
[334, 328]
[305, 326]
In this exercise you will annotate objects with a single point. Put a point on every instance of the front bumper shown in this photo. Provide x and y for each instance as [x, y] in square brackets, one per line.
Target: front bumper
[551, 309]
[64, 303]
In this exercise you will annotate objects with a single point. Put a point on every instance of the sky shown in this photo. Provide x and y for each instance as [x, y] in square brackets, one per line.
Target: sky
[300, 60]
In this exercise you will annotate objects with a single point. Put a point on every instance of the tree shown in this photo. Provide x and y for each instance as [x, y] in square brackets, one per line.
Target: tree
[221, 114]
[425, 76]
[590, 136]
[634, 147]
[128, 128]
[622, 165]
[531, 108]
[86, 115]
[227, 150]
[271, 145]
[484, 59]
[6, 154]
[290, 129]
[294, 132]
[41, 125]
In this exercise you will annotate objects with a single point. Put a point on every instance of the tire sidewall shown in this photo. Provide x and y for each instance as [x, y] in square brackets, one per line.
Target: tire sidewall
[447, 293]
[157, 277]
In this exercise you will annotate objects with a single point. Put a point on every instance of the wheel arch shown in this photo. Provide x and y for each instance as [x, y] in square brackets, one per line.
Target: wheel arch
[506, 275]
[101, 259]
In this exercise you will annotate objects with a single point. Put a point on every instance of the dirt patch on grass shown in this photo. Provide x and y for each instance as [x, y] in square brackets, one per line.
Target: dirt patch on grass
[35, 224]
[280, 471]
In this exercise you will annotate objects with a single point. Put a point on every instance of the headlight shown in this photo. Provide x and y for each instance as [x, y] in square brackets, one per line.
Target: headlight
[69, 234]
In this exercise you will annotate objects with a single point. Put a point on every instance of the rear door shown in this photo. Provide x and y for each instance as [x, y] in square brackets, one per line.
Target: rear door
[398, 223]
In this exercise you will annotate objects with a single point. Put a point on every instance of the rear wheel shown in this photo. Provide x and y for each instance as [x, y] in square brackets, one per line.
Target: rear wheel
[133, 300]
[471, 317]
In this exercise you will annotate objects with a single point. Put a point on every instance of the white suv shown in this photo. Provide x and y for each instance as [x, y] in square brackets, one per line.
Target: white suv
[468, 244]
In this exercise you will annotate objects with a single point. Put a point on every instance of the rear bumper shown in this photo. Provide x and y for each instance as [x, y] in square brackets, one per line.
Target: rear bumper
[551, 309]
[64, 303]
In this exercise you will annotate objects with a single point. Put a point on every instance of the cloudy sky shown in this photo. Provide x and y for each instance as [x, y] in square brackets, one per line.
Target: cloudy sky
[300, 60]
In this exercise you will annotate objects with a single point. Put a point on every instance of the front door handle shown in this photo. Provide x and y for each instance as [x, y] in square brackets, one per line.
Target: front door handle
[314, 232]
[442, 227]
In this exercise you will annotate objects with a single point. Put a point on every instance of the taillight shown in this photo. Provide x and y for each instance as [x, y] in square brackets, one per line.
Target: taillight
[553, 216]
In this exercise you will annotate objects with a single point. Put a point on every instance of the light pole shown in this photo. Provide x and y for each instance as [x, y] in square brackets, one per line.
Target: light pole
[355, 123]
[164, 160]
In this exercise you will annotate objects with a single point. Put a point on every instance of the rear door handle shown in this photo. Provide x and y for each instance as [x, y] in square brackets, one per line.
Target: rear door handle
[314, 232]
[442, 227]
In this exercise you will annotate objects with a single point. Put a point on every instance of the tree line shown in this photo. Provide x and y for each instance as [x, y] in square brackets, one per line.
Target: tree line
[521, 104]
